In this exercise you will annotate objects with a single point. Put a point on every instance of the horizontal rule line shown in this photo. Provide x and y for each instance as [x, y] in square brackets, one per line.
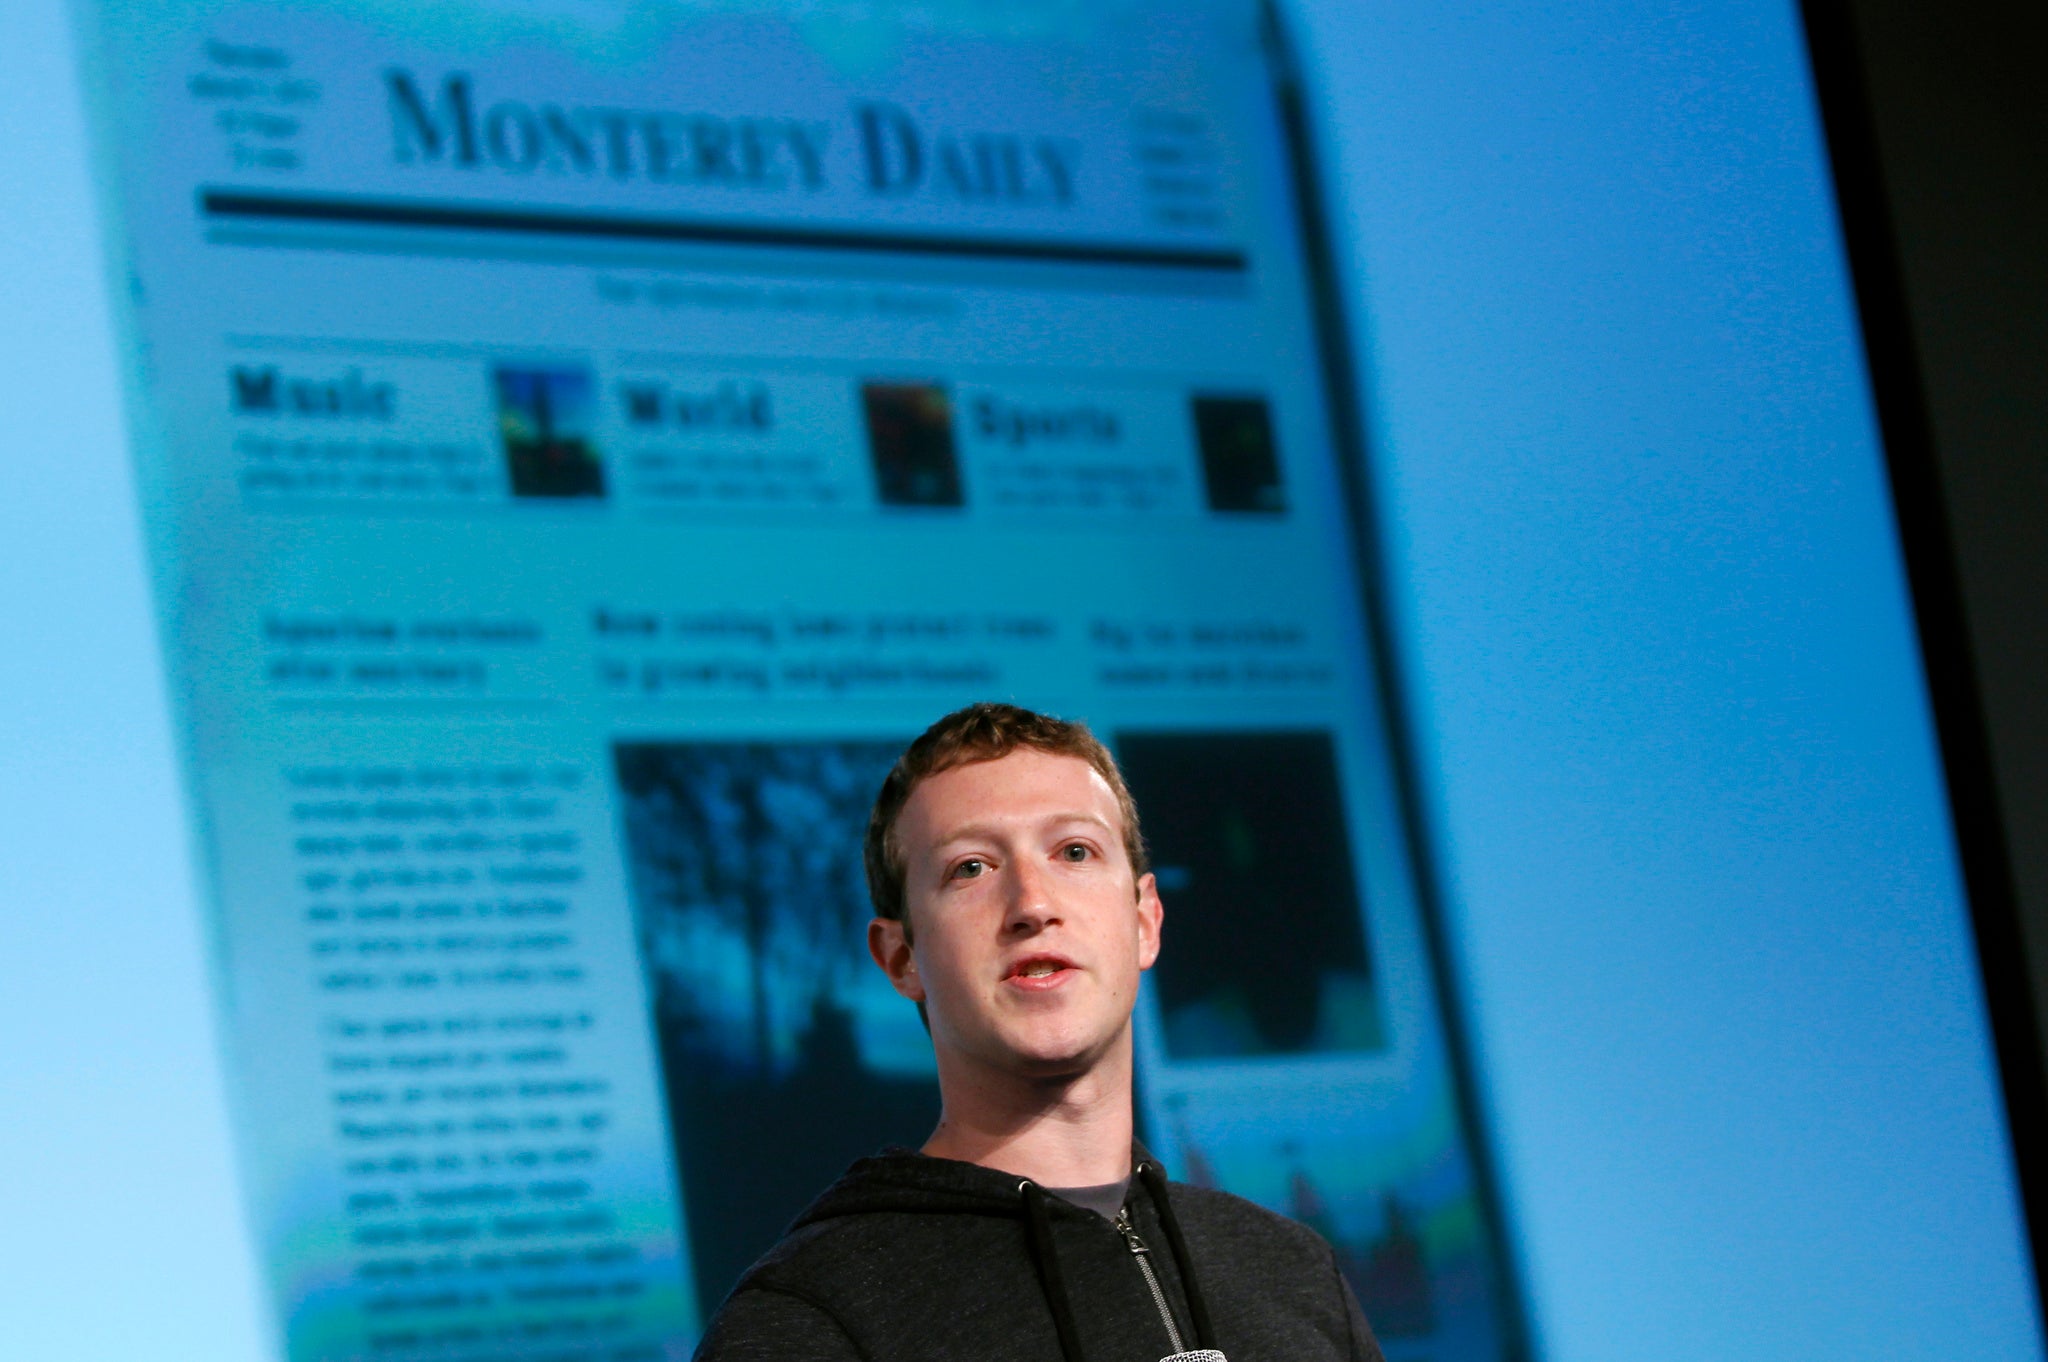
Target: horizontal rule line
[319, 208]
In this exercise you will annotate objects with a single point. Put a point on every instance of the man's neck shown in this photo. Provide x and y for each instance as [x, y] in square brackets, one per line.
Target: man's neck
[1059, 1132]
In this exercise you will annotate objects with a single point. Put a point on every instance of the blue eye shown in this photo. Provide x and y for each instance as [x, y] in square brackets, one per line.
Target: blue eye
[970, 868]
[1076, 851]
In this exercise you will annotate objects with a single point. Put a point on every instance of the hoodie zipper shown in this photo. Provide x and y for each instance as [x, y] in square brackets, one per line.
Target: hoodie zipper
[1143, 1256]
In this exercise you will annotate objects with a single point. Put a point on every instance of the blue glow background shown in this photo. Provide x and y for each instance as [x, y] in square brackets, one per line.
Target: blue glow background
[1704, 907]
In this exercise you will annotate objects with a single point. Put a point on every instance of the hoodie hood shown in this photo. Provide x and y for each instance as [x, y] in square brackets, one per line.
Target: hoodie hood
[899, 1179]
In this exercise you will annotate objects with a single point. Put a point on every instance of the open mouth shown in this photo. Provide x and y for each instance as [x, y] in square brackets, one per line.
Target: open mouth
[1040, 971]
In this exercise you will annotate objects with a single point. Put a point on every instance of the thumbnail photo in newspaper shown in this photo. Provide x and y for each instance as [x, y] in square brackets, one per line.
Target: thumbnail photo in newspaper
[545, 418]
[1240, 461]
[784, 1052]
[910, 440]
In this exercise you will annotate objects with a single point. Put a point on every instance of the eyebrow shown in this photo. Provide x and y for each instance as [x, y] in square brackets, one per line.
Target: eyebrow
[973, 831]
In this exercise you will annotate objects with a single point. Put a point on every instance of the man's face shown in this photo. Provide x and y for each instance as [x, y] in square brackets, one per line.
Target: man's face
[1029, 930]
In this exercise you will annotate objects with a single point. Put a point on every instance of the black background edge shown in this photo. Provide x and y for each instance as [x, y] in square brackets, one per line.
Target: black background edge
[1920, 507]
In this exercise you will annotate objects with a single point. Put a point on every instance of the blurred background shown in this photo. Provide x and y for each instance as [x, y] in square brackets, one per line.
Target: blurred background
[1706, 510]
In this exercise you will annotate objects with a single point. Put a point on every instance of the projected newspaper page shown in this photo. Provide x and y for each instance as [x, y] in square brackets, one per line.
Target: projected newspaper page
[582, 442]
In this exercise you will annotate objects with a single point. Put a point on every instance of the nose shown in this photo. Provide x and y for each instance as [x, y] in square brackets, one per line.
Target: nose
[1030, 908]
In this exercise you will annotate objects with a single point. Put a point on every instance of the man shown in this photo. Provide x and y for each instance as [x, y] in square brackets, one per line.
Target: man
[1014, 907]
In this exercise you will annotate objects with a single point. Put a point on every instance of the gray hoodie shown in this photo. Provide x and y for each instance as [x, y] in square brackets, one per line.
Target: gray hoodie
[908, 1258]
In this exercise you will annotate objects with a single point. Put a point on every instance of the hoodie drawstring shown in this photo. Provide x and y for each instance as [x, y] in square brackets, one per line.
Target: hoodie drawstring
[1055, 1282]
[1154, 1178]
[1049, 1273]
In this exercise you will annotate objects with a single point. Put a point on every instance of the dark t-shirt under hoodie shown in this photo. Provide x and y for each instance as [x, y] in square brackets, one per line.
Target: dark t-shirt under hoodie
[909, 1258]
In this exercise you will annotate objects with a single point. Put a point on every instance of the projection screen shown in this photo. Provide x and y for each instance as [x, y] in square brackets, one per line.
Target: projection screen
[580, 444]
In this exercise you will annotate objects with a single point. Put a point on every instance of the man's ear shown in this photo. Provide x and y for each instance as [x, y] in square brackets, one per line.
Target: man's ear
[1151, 917]
[889, 943]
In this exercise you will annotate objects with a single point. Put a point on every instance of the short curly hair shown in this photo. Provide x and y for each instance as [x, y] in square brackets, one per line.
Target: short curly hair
[981, 732]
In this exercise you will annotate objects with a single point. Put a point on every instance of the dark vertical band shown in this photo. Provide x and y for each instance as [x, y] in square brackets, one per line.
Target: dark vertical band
[1925, 537]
